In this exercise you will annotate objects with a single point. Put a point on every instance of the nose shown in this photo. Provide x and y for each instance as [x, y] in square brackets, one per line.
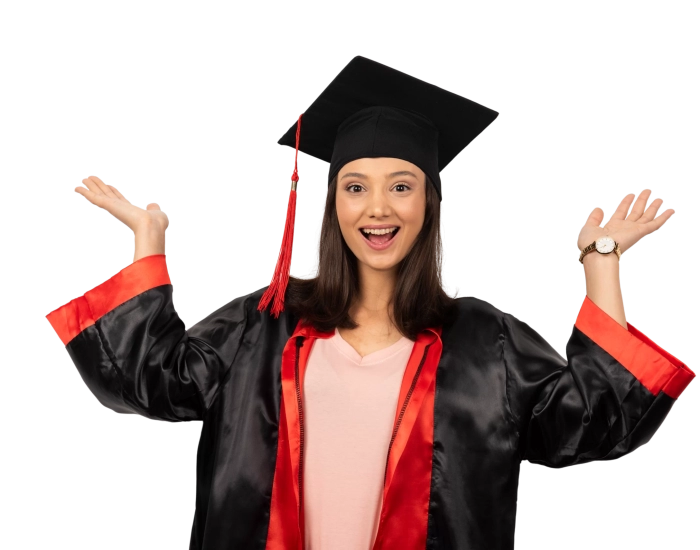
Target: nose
[378, 204]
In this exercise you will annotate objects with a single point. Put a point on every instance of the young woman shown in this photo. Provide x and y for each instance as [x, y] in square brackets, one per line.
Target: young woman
[372, 410]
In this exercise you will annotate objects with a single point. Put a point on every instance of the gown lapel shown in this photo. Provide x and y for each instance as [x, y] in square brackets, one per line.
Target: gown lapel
[286, 527]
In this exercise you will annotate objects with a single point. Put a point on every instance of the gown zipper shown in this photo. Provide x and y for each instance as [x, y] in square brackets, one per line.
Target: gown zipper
[299, 343]
[404, 407]
[407, 399]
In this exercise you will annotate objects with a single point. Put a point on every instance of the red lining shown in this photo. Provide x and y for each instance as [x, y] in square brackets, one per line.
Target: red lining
[72, 318]
[404, 516]
[656, 369]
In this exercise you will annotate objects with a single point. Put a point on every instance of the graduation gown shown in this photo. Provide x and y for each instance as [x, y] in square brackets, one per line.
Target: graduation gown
[478, 396]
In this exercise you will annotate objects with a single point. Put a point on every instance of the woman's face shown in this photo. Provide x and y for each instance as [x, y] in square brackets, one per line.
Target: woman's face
[381, 207]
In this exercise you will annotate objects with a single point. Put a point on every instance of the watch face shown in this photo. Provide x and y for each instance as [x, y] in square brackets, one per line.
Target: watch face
[605, 245]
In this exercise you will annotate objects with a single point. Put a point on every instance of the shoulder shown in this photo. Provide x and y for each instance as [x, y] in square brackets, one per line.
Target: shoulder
[473, 318]
[471, 304]
[241, 314]
[471, 309]
[478, 321]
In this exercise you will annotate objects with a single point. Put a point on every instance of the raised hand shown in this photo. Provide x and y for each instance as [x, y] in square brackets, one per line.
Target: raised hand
[625, 228]
[108, 197]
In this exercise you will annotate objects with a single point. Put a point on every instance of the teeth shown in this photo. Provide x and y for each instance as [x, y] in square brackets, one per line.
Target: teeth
[379, 231]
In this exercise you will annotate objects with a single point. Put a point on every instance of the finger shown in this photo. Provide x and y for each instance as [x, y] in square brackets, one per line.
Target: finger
[103, 186]
[639, 206]
[651, 211]
[152, 206]
[621, 212]
[92, 186]
[98, 199]
[117, 193]
[595, 218]
[654, 224]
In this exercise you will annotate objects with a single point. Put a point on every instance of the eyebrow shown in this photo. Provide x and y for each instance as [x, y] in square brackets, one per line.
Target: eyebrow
[392, 175]
[354, 175]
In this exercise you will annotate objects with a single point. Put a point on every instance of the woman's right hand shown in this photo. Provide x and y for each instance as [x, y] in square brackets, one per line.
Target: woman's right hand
[110, 199]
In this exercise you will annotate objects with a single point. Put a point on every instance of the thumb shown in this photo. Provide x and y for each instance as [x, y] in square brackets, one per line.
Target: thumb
[596, 217]
[152, 206]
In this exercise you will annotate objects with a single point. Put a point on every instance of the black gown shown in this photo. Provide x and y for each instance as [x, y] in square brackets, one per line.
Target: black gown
[479, 396]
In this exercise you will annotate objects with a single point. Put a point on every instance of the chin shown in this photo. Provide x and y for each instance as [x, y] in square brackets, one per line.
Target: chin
[380, 264]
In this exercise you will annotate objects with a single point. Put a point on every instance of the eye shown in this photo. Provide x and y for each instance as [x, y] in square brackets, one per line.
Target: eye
[354, 188]
[402, 187]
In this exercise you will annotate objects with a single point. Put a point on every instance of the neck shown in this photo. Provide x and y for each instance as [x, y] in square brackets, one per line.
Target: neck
[376, 291]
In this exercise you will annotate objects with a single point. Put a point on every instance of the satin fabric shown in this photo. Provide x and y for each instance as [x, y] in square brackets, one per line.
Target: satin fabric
[490, 393]
[403, 520]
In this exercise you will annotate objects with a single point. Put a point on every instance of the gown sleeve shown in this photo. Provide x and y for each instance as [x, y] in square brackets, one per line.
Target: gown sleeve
[607, 398]
[133, 352]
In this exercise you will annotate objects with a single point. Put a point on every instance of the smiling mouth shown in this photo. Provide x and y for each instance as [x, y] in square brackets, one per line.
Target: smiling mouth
[379, 236]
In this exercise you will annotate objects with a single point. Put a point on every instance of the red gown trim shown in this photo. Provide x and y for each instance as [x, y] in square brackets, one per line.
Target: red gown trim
[655, 368]
[403, 523]
[406, 492]
[404, 517]
[71, 319]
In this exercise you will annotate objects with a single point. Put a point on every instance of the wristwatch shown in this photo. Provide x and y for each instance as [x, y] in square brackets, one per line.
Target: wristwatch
[604, 245]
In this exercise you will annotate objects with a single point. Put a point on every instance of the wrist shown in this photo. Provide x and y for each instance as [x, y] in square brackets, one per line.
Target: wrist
[148, 240]
[596, 260]
[604, 245]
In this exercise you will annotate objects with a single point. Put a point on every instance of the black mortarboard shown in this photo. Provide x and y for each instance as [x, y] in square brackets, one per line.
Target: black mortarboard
[371, 110]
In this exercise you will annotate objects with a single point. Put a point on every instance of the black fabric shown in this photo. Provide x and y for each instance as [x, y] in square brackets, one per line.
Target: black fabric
[502, 395]
[411, 120]
[387, 132]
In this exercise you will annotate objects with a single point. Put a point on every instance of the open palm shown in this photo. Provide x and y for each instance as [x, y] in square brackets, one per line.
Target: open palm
[625, 228]
[108, 197]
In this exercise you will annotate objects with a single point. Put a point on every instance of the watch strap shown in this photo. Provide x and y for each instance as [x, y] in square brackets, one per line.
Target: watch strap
[591, 247]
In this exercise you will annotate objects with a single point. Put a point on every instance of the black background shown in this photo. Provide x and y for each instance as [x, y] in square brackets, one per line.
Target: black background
[197, 134]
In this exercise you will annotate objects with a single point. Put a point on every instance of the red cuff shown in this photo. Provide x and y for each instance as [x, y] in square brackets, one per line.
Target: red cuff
[655, 368]
[71, 319]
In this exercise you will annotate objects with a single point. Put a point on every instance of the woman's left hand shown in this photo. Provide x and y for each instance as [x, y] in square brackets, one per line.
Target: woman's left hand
[625, 229]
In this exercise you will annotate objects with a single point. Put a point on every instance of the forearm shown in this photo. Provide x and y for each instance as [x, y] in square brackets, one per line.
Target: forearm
[149, 239]
[603, 284]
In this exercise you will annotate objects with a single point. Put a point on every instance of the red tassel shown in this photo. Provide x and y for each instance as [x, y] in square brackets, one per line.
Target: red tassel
[278, 286]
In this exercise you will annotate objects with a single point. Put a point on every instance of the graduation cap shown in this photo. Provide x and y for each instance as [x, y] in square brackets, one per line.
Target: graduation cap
[371, 110]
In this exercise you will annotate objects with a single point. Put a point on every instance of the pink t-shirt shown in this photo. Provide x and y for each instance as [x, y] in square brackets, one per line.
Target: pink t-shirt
[349, 408]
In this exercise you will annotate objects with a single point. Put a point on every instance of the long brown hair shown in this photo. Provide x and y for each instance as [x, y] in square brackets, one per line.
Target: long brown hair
[419, 301]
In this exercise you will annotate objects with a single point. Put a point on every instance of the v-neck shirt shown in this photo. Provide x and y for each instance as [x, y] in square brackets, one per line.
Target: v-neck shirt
[349, 408]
